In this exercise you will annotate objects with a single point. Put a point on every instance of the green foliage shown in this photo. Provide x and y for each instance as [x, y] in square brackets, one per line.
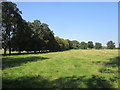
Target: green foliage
[21, 39]
[49, 39]
[90, 44]
[98, 45]
[83, 45]
[63, 44]
[10, 17]
[75, 44]
[110, 45]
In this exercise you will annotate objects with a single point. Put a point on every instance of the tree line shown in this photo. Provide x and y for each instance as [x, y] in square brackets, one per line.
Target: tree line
[19, 35]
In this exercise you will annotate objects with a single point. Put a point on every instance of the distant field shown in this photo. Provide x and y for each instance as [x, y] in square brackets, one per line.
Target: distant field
[67, 69]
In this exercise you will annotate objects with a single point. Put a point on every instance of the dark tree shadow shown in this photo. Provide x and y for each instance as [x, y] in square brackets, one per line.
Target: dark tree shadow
[24, 53]
[64, 82]
[105, 70]
[113, 62]
[8, 62]
[99, 82]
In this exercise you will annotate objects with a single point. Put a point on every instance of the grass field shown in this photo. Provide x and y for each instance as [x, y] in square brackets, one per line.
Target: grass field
[68, 69]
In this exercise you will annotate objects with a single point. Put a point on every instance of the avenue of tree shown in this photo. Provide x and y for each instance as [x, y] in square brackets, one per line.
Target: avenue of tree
[19, 35]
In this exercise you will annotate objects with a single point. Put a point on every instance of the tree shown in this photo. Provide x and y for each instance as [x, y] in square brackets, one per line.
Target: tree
[83, 45]
[21, 39]
[10, 13]
[49, 39]
[63, 44]
[75, 44]
[90, 44]
[98, 45]
[36, 43]
[110, 45]
[42, 37]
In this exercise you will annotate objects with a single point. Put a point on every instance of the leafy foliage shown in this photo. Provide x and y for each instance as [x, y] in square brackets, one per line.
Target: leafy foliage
[83, 45]
[90, 44]
[10, 17]
[110, 45]
[75, 44]
[98, 45]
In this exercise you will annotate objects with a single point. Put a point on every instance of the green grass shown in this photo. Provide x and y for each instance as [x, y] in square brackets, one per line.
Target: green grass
[68, 69]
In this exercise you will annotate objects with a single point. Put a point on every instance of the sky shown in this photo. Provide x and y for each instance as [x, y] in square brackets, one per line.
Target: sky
[65, 0]
[82, 21]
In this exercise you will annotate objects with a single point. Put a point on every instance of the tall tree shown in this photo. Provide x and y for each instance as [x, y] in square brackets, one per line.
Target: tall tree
[48, 36]
[110, 45]
[70, 44]
[22, 36]
[42, 37]
[37, 41]
[10, 13]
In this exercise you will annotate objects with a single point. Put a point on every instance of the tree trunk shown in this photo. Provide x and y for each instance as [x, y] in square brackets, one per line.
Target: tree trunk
[9, 50]
[9, 40]
[19, 51]
[34, 51]
[4, 51]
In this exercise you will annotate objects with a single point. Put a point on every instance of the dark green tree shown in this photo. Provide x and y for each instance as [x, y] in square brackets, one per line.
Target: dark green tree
[42, 37]
[21, 40]
[37, 42]
[75, 44]
[10, 13]
[70, 44]
[49, 39]
[63, 44]
[98, 45]
[83, 45]
[110, 45]
[90, 44]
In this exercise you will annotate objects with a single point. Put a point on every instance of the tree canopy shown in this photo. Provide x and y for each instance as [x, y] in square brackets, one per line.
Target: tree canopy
[90, 44]
[83, 45]
[98, 45]
[110, 45]
[20, 35]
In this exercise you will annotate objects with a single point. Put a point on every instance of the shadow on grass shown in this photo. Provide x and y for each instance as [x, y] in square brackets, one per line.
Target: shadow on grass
[23, 53]
[64, 82]
[107, 70]
[12, 62]
[113, 62]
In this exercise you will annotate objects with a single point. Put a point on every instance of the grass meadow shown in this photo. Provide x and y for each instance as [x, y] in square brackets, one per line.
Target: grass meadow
[67, 69]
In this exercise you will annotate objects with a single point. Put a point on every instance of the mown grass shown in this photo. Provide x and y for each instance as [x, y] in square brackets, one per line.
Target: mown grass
[68, 69]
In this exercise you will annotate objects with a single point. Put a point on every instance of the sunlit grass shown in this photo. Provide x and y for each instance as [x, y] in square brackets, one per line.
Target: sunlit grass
[73, 68]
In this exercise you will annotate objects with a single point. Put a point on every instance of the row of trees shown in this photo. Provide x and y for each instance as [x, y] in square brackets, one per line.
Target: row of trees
[67, 44]
[19, 35]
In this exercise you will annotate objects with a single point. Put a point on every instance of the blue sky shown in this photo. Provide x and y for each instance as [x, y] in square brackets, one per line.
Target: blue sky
[82, 21]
